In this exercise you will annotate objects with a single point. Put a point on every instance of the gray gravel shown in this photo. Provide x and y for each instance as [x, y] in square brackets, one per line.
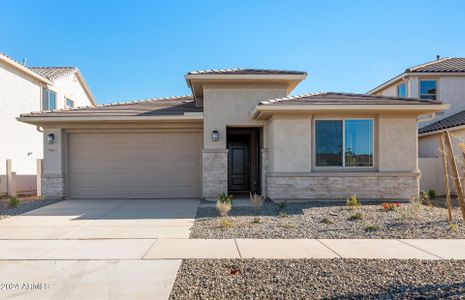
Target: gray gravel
[329, 220]
[320, 279]
[23, 207]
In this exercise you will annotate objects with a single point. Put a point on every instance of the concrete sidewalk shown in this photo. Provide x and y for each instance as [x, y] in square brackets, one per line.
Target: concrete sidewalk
[156, 249]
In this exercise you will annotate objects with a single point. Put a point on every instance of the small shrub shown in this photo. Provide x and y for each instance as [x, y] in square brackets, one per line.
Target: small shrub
[223, 208]
[326, 221]
[256, 220]
[224, 198]
[356, 216]
[424, 199]
[412, 211]
[391, 206]
[226, 223]
[14, 202]
[453, 227]
[353, 202]
[432, 194]
[257, 202]
[371, 228]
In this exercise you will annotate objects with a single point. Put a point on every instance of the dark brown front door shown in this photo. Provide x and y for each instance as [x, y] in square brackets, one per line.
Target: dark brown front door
[239, 163]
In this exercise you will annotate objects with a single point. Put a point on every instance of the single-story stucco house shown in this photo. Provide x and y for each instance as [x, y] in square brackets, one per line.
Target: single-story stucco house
[240, 131]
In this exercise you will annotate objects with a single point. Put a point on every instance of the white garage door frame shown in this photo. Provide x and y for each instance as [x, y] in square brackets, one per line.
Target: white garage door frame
[135, 134]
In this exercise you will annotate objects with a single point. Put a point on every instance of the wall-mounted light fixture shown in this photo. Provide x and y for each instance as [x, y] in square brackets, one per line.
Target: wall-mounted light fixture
[51, 138]
[215, 135]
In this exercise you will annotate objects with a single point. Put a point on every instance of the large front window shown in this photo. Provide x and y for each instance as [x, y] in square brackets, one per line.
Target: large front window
[428, 89]
[344, 143]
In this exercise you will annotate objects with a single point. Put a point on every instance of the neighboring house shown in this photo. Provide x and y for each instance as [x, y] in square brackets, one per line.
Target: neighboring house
[444, 80]
[240, 132]
[25, 89]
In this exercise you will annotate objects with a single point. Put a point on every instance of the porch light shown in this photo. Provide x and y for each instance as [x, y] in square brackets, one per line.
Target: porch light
[51, 138]
[215, 135]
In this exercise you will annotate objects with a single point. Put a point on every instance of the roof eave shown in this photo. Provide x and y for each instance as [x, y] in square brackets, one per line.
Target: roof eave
[258, 112]
[24, 69]
[42, 120]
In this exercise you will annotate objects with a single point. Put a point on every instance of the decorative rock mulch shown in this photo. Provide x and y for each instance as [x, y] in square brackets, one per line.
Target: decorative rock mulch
[319, 279]
[330, 220]
[23, 207]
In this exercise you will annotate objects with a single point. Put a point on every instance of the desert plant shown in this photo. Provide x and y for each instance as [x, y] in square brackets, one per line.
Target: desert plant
[282, 205]
[353, 202]
[223, 208]
[327, 221]
[412, 211]
[390, 206]
[356, 216]
[424, 199]
[282, 214]
[257, 202]
[371, 228]
[14, 202]
[453, 227]
[432, 194]
[224, 198]
[226, 223]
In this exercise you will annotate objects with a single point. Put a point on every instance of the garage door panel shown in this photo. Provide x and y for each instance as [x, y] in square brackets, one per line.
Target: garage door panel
[134, 165]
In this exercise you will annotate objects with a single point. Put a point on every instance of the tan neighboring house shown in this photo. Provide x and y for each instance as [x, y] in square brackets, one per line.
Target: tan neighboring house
[25, 89]
[239, 132]
[444, 80]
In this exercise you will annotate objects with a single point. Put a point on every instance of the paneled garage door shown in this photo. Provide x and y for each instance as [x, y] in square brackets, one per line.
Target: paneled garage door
[134, 165]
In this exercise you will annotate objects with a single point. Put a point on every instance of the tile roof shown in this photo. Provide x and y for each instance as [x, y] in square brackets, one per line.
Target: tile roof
[148, 107]
[53, 73]
[448, 64]
[240, 71]
[331, 98]
[443, 65]
[452, 121]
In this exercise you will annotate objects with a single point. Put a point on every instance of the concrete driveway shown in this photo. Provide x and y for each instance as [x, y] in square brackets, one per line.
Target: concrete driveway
[104, 219]
[92, 249]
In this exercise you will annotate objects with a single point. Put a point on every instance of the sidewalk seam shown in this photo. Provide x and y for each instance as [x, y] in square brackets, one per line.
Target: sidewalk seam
[413, 246]
[237, 248]
[150, 248]
[326, 246]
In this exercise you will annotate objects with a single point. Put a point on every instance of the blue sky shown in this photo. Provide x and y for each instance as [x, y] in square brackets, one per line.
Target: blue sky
[141, 49]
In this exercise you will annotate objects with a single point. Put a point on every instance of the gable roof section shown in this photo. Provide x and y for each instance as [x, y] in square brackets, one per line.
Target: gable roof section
[242, 71]
[332, 98]
[449, 122]
[443, 65]
[19, 66]
[157, 107]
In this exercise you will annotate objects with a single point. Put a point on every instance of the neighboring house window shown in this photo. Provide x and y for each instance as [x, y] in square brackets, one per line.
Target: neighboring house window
[355, 136]
[428, 89]
[48, 99]
[401, 90]
[69, 102]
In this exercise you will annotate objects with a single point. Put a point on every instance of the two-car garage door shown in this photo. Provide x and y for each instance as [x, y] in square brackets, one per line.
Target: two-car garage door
[134, 165]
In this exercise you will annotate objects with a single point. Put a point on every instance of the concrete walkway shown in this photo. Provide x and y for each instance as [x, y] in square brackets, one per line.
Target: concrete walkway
[157, 249]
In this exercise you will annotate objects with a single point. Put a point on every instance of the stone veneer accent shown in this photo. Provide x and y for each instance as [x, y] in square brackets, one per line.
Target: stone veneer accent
[215, 172]
[376, 186]
[53, 186]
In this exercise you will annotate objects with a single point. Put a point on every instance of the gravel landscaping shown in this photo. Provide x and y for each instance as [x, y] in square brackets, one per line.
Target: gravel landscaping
[331, 220]
[25, 205]
[319, 279]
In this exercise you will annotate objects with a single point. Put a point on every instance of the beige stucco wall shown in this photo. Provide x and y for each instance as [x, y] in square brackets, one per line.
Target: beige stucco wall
[231, 105]
[20, 142]
[70, 87]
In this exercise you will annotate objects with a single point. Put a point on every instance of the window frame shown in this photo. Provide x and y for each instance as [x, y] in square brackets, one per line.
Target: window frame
[343, 167]
[398, 86]
[47, 100]
[437, 88]
[66, 102]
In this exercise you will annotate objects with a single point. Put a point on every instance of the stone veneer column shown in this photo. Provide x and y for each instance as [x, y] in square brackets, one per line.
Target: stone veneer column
[215, 172]
[264, 171]
[53, 181]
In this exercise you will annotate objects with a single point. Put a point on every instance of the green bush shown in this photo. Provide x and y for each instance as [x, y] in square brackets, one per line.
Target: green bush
[14, 202]
[224, 198]
[353, 202]
[371, 228]
[432, 194]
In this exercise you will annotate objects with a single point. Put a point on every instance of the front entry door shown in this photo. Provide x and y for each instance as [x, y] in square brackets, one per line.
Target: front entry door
[239, 163]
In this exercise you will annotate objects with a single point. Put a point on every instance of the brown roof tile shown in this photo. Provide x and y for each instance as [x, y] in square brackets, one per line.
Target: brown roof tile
[452, 121]
[52, 73]
[331, 98]
[149, 107]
